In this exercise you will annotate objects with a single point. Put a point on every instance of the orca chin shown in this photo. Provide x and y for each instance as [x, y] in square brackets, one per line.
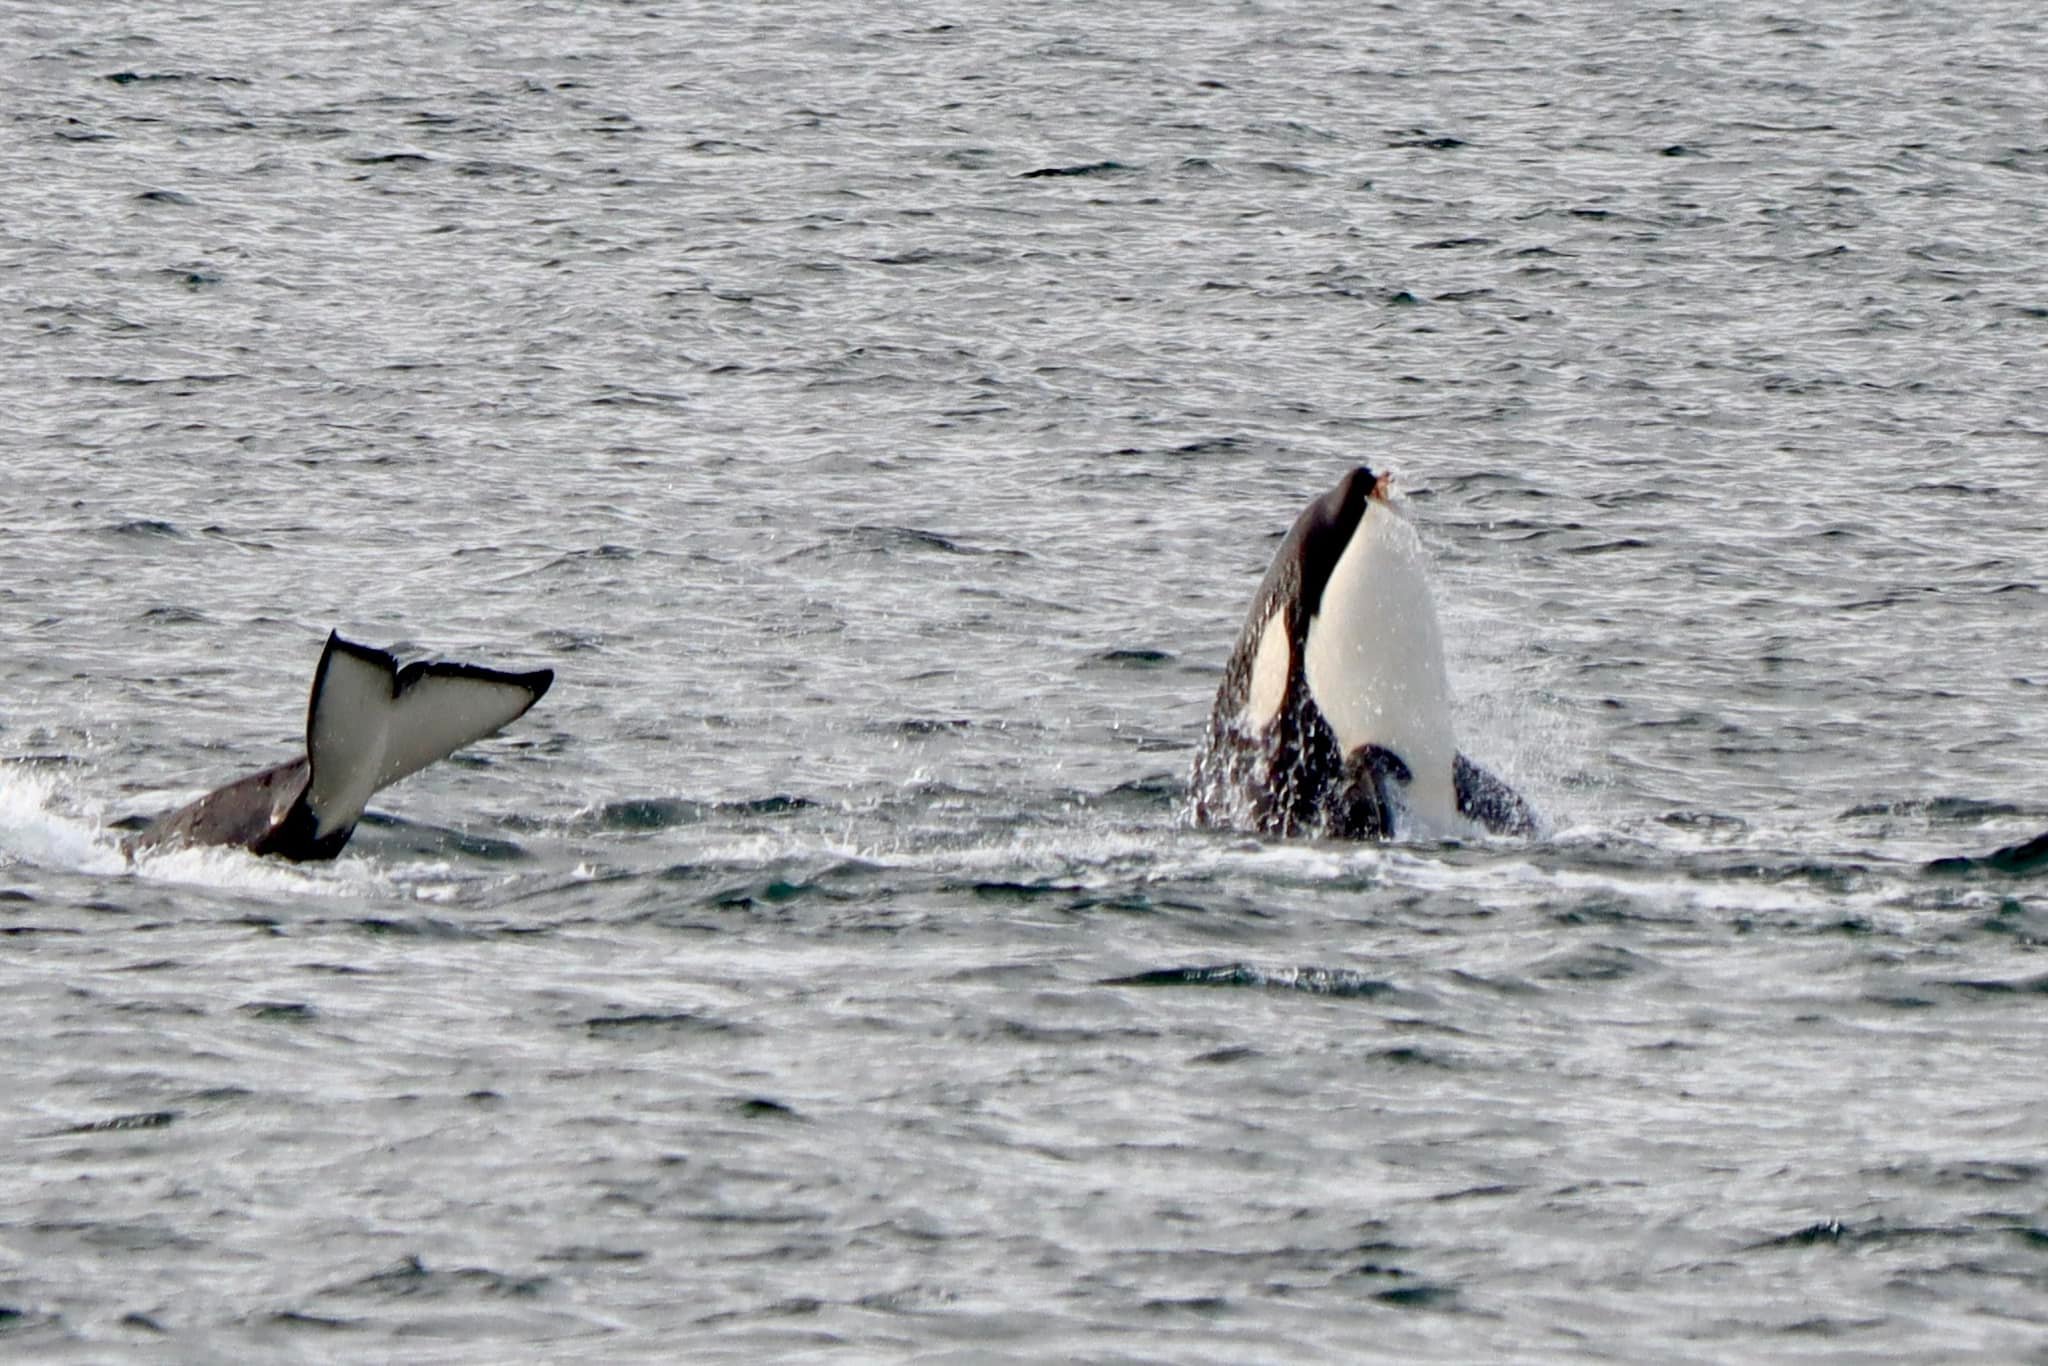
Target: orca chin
[369, 723]
[1334, 717]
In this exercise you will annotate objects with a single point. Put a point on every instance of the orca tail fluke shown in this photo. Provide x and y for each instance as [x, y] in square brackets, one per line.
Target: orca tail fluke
[370, 723]
[1489, 801]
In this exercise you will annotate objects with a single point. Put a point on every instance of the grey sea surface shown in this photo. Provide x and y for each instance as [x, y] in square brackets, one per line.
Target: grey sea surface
[879, 416]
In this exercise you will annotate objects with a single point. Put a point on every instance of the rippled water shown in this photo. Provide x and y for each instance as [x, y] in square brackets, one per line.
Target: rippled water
[879, 420]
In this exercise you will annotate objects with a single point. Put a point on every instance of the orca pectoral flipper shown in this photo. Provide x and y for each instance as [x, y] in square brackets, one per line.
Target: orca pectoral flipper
[1361, 804]
[1489, 801]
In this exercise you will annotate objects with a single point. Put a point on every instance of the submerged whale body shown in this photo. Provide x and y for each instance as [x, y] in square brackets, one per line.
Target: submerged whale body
[1333, 717]
[369, 723]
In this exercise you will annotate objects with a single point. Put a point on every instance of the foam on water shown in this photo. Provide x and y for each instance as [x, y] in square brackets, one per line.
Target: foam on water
[35, 832]
[239, 870]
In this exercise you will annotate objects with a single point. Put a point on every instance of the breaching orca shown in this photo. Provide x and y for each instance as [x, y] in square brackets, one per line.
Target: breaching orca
[1334, 714]
[368, 724]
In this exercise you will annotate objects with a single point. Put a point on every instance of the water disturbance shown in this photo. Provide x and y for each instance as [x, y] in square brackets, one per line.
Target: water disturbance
[879, 417]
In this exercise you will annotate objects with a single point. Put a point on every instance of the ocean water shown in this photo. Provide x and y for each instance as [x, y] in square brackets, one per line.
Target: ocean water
[879, 417]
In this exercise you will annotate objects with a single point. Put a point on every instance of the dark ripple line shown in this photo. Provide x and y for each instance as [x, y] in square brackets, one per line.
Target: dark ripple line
[1337, 982]
[146, 1119]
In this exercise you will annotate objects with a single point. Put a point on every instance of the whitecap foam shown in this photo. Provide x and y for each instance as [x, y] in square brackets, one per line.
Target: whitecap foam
[34, 831]
[236, 869]
[39, 829]
[1089, 857]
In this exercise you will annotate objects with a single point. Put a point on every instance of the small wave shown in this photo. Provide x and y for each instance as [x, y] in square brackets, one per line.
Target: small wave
[1998, 986]
[658, 1022]
[389, 834]
[147, 1119]
[1599, 963]
[777, 889]
[173, 615]
[410, 1276]
[399, 158]
[892, 539]
[1425, 140]
[286, 1012]
[167, 77]
[1944, 810]
[662, 813]
[1880, 1232]
[1340, 982]
[1825, 1232]
[1134, 657]
[1091, 168]
[1161, 794]
[919, 727]
[2017, 860]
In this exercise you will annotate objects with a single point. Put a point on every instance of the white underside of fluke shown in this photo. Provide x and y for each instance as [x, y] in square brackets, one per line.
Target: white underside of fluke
[365, 731]
[1375, 661]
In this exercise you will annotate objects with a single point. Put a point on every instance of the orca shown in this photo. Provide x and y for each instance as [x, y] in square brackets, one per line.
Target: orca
[369, 723]
[1333, 718]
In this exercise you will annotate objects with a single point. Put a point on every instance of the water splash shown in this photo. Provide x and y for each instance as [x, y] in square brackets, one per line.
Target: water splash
[38, 831]
[34, 831]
